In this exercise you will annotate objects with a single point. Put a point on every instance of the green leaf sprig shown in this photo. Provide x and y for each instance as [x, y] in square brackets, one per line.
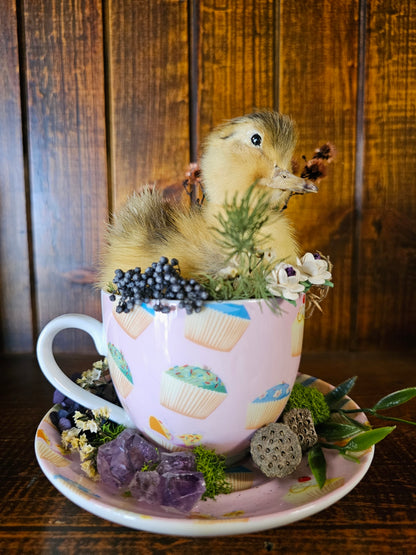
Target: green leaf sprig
[340, 427]
[239, 235]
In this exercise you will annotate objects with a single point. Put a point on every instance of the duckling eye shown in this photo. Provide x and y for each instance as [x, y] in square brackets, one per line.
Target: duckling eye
[256, 139]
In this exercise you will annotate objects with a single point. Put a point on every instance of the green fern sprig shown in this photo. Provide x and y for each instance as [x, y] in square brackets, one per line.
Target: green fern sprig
[240, 235]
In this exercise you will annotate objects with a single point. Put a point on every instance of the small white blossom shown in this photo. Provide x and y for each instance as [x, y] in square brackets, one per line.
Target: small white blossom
[89, 469]
[70, 438]
[316, 269]
[86, 451]
[103, 413]
[230, 271]
[284, 281]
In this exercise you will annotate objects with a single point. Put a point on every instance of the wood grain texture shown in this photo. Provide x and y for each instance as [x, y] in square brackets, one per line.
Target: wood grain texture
[67, 157]
[147, 46]
[236, 59]
[15, 304]
[387, 299]
[377, 516]
[317, 87]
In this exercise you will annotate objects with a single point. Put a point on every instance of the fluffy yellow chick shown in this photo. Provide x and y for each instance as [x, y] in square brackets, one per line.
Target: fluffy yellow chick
[252, 149]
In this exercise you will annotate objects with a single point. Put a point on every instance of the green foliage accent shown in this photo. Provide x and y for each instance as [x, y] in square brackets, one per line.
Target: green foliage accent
[367, 439]
[108, 431]
[149, 466]
[333, 397]
[309, 398]
[212, 467]
[241, 223]
[317, 464]
[251, 285]
[335, 431]
[239, 236]
[111, 288]
[395, 399]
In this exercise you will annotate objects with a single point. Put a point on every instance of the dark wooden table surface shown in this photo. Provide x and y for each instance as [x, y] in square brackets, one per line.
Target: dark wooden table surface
[378, 516]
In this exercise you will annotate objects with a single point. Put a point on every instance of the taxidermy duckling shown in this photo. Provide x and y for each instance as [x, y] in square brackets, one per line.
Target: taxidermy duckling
[254, 149]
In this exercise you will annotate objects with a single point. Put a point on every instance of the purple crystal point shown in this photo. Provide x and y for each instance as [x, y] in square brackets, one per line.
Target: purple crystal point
[141, 451]
[146, 486]
[317, 256]
[113, 464]
[290, 271]
[118, 460]
[173, 462]
[181, 490]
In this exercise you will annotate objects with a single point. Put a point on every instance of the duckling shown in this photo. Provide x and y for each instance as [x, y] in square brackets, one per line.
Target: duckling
[255, 149]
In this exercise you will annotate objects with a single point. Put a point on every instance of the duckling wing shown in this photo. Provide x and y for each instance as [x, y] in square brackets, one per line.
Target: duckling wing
[148, 226]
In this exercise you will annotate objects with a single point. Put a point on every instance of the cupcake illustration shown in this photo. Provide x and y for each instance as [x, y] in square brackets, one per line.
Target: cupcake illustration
[302, 493]
[240, 478]
[267, 407]
[218, 326]
[160, 433]
[136, 321]
[191, 391]
[120, 372]
[190, 440]
[297, 332]
[47, 453]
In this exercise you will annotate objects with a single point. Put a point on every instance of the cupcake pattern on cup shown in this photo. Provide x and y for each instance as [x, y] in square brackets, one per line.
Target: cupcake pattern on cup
[191, 391]
[218, 326]
[267, 407]
[136, 321]
[120, 371]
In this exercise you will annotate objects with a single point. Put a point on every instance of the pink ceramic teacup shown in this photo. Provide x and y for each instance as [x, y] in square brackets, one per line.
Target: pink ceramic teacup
[209, 378]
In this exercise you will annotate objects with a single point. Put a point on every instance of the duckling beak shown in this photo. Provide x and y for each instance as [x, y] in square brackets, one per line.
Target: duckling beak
[286, 181]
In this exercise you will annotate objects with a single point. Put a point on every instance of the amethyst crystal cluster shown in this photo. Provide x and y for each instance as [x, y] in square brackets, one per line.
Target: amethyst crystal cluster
[130, 463]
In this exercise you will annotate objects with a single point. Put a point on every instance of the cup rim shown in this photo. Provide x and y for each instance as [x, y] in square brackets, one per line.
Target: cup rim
[174, 302]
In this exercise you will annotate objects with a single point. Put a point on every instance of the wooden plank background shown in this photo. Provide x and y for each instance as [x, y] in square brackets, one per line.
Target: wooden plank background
[98, 97]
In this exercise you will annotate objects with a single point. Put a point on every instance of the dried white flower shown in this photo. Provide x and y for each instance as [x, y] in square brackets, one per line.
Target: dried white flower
[315, 268]
[284, 281]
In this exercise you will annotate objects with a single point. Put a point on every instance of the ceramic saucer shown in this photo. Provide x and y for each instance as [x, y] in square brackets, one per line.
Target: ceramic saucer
[256, 503]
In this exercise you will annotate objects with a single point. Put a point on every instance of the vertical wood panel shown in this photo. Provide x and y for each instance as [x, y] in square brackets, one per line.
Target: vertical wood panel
[237, 61]
[149, 93]
[64, 60]
[318, 68]
[15, 303]
[387, 302]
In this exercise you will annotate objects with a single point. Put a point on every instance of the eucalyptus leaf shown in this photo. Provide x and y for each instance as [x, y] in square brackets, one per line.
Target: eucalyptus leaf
[339, 392]
[395, 399]
[317, 464]
[354, 422]
[334, 431]
[350, 457]
[365, 440]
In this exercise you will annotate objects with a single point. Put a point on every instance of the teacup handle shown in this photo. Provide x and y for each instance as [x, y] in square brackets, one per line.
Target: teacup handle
[59, 379]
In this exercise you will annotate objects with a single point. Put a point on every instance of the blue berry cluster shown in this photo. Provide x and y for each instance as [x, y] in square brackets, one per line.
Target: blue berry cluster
[161, 280]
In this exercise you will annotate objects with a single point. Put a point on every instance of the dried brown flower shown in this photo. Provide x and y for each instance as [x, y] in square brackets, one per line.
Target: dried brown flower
[326, 152]
[314, 170]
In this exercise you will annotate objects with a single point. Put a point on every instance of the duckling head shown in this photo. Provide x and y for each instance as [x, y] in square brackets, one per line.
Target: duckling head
[255, 149]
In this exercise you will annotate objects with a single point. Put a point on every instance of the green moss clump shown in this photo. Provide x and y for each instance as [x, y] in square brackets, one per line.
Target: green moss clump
[212, 467]
[309, 398]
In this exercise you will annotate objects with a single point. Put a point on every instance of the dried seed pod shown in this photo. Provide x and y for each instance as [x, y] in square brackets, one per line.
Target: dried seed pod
[276, 450]
[300, 421]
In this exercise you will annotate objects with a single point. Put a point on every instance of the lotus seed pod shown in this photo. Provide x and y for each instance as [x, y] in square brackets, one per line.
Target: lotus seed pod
[300, 421]
[276, 450]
